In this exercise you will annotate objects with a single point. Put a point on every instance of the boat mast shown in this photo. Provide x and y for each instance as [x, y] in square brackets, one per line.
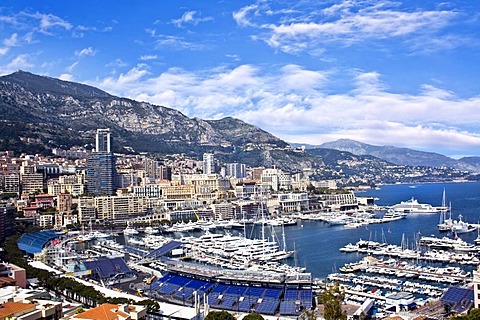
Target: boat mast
[444, 203]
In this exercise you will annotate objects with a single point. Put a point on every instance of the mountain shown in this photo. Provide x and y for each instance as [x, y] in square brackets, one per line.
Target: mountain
[40, 113]
[403, 156]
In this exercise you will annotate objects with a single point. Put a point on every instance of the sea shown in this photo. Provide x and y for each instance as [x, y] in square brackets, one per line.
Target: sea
[317, 244]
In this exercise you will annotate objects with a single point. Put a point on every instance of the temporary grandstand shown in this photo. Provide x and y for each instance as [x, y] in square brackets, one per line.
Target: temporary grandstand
[458, 300]
[108, 271]
[33, 243]
[234, 297]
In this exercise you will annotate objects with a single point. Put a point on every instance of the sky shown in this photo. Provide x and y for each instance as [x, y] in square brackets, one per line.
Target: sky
[400, 73]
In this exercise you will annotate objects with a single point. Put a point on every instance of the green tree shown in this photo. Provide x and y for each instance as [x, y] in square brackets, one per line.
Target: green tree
[253, 316]
[473, 314]
[219, 315]
[332, 299]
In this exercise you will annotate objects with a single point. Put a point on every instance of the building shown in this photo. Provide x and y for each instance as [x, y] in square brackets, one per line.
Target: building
[64, 202]
[101, 170]
[45, 220]
[476, 287]
[156, 170]
[32, 182]
[109, 311]
[223, 211]
[340, 201]
[247, 189]
[31, 310]
[208, 163]
[11, 181]
[237, 170]
[103, 141]
[86, 210]
[19, 275]
[72, 184]
[7, 220]
[293, 202]
[276, 179]
[118, 207]
[44, 201]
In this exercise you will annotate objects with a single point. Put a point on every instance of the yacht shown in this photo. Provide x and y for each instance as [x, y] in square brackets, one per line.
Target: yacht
[412, 206]
[130, 231]
[392, 215]
[461, 226]
[151, 230]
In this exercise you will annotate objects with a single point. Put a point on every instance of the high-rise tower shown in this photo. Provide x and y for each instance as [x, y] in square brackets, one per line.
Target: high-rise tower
[101, 166]
[208, 163]
[102, 140]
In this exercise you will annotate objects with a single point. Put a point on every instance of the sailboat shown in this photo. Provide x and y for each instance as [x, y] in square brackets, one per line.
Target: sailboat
[445, 224]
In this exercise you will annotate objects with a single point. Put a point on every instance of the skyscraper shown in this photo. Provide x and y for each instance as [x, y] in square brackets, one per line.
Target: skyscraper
[101, 166]
[208, 163]
[237, 170]
[102, 141]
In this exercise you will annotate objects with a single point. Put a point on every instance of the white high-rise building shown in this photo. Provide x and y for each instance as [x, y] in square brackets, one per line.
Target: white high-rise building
[102, 141]
[208, 163]
[237, 170]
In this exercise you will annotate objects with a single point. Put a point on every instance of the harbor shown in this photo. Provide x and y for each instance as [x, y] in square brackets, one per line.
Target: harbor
[268, 265]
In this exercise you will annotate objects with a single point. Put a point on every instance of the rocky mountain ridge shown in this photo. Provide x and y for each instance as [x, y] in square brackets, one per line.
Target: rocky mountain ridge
[404, 156]
[61, 114]
[40, 113]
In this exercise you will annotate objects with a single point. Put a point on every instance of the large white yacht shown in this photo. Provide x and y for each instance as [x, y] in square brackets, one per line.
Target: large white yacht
[412, 206]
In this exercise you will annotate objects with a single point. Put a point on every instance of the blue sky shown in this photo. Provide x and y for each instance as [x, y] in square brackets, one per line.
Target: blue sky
[402, 73]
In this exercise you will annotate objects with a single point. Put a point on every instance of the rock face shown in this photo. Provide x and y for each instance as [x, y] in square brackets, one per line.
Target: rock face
[58, 113]
[404, 156]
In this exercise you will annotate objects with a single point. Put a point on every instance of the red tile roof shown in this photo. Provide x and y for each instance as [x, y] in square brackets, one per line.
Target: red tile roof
[106, 311]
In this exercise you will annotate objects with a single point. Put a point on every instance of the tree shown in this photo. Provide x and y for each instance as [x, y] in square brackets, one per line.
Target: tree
[472, 315]
[219, 315]
[253, 316]
[332, 298]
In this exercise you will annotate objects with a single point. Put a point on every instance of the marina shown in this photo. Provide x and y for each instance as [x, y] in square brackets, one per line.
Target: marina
[268, 264]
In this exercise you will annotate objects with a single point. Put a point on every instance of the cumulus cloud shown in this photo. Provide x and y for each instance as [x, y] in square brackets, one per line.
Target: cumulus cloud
[66, 77]
[20, 62]
[291, 103]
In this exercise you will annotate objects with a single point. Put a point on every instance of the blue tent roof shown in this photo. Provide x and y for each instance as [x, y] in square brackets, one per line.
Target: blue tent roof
[34, 242]
[164, 249]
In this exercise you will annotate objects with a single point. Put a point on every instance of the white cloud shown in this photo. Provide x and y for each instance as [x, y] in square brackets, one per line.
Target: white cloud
[4, 51]
[12, 41]
[18, 63]
[241, 16]
[117, 63]
[66, 77]
[176, 43]
[188, 17]
[290, 102]
[48, 22]
[72, 67]
[148, 57]
[345, 23]
[85, 52]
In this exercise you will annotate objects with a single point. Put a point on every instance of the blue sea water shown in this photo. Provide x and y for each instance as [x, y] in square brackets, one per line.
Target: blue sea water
[318, 244]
